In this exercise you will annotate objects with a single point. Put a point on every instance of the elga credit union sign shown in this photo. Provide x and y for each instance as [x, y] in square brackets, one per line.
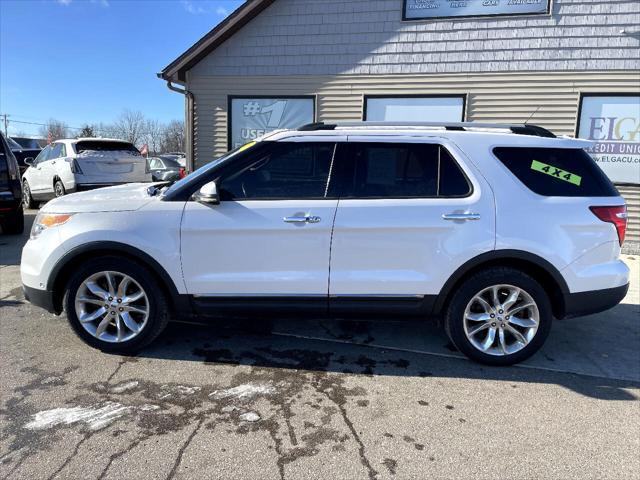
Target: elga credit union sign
[613, 123]
[417, 9]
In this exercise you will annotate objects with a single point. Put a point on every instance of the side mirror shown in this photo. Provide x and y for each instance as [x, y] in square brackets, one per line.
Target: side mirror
[28, 161]
[208, 194]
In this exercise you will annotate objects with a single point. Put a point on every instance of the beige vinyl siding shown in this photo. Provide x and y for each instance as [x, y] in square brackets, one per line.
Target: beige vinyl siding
[499, 97]
[631, 195]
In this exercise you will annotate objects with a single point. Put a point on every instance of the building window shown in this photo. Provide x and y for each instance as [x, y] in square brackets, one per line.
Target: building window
[251, 117]
[441, 108]
[612, 121]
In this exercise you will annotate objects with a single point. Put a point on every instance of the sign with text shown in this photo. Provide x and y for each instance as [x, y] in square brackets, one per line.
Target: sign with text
[415, 109]
[613, 123]
[253, 117]
[417, 9]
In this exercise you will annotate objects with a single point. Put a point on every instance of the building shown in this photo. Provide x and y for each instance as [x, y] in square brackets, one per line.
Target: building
[570, 66]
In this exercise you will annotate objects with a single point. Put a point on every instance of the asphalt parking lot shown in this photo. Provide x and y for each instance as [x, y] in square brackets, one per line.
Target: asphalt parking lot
[314, 399]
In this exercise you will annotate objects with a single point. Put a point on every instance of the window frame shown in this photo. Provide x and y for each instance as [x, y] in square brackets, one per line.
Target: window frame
[231, 98]
[45, 155]
[526, 187]
[463, 96]
[244, 163]
[352, 143]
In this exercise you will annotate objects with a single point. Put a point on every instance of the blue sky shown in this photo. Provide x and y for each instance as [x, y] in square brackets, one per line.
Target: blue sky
[86, 60]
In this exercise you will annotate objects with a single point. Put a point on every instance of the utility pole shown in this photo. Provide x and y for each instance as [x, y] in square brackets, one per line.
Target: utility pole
[6, 122]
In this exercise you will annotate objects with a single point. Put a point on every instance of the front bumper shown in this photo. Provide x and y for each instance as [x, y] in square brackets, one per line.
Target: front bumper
[594, 301]
[40, 298]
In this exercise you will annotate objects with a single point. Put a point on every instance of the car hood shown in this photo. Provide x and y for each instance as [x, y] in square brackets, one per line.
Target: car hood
[120, 198]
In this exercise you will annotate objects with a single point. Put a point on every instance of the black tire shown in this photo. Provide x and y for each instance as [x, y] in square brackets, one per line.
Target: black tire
[27, 199]
[13, 224]
[454, 316]
[158, 307]
[58, 189]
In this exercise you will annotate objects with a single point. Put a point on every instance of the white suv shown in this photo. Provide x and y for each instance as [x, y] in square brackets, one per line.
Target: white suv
[68, 166]
[494, 229]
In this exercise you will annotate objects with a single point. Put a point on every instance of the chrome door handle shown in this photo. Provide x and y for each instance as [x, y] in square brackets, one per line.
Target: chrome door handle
[305, 219]
[461, 216]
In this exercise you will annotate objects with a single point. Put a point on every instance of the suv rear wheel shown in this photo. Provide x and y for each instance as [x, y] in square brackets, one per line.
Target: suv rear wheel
[59, 189]
[499, 316]
[114, 304]
[27, 199]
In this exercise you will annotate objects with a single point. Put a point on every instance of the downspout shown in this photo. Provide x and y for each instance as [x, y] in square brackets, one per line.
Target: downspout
[188, 124]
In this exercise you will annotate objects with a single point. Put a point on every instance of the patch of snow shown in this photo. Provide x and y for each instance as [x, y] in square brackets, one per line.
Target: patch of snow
[123, 387]
[148, 407]
[229, 409]
[184, 390]
[244, 391]
[178, 389]
[250, 417]
[96, 418]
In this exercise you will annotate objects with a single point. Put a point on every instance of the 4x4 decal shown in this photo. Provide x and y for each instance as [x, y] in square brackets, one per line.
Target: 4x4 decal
[556, 172]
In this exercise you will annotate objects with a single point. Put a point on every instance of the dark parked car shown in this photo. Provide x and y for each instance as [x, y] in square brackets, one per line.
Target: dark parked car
[21, 153]
[165, 168]
[11, 213]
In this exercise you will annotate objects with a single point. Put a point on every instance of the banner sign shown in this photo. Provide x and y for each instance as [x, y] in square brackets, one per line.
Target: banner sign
[414, 109]
[253, 117]
[613, 122]
[418, 9]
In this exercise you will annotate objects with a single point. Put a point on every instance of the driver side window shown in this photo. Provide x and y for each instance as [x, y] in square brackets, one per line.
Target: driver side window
[286, 171]
[43, 155]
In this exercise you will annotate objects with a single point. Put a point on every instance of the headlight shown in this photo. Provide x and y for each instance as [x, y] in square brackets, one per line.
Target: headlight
[48, 220]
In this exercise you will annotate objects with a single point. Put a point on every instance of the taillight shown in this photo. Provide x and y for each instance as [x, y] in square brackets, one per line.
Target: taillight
[75, 168]
[182, 172]
[616, 215]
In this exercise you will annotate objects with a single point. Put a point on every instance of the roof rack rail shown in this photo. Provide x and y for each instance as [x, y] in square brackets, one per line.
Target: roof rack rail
[517, 128]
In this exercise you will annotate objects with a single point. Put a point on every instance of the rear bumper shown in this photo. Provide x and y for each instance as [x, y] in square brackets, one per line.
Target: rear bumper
[40, 298]
[9, 205]
[594, 301]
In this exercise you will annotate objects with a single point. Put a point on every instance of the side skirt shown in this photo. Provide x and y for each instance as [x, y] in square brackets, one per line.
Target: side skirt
[369, 307]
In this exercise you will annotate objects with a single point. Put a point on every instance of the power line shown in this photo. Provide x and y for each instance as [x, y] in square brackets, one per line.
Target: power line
[68, 127]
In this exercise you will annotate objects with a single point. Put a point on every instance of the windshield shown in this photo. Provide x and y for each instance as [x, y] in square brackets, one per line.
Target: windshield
[202, 171]
[13, 145]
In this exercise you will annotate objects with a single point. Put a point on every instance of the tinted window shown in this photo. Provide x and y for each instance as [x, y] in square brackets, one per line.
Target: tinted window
[558, 172]
[285, 171]
[56, 151]
[43, 155]
[155, 164]
[105, 146]
[385, 170]
[170, 163]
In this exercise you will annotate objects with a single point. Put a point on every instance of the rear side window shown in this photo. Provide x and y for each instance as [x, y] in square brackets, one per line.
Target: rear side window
[105, 146]
[412, 170]
[557, 172]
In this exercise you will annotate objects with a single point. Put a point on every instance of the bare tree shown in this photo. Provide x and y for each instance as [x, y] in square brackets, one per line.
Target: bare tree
[87, 131]
[152, 135]
[107, 130]
[173, 137]
[130, 126]
[56, 128]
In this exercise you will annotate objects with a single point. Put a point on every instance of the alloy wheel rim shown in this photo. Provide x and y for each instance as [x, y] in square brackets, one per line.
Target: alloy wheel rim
[58, 190]
[26, 194]
[112, 306]
[501, 320]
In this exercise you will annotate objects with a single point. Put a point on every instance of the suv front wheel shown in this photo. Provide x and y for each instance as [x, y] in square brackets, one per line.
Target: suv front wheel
[499, 316]
[115, 304]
